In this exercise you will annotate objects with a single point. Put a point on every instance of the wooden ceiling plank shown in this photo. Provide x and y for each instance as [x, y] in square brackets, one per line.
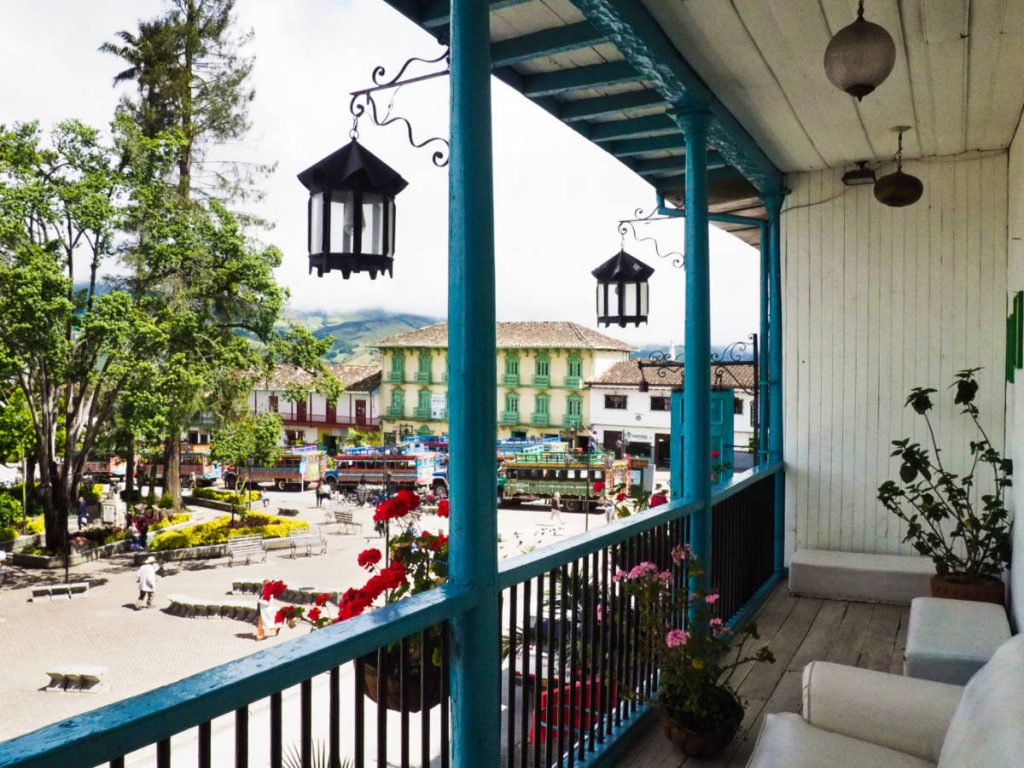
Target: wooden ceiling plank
[547, 42]
[584, 77]
[437, 13]
[602, 106]
[653, 125]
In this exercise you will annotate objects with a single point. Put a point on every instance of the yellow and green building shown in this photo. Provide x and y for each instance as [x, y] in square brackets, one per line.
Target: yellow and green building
[542, 367]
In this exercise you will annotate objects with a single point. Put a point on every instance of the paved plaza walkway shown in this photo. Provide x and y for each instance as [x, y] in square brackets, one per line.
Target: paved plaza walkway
[144, 649]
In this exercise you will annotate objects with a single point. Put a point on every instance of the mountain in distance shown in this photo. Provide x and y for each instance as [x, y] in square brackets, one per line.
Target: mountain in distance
[355, 332]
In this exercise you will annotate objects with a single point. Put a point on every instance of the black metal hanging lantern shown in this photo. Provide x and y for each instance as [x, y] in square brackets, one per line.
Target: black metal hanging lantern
[622, 290]
[351, 214]
[899, 189]
[860, 56]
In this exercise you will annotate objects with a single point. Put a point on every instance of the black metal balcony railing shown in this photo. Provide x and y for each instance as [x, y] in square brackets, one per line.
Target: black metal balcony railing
[576, 675]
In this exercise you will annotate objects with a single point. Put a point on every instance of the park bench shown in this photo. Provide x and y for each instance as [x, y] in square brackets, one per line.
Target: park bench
[307, 541]
[344, 519]
[246, 547]
[75, 677]
[225, 607]
[43, 592]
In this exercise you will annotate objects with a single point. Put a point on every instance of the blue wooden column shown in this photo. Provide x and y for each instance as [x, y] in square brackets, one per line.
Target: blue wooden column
[762, 352]
[697, 354]
[475, 662]
[773, 203]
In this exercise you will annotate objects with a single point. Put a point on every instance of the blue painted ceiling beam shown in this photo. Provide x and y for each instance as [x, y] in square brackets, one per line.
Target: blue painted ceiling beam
[678, 182]
[630, 147]
[651, 125]
[547, 42]
[594, 76]
[602, 106]
[669, 166]
[639, 38]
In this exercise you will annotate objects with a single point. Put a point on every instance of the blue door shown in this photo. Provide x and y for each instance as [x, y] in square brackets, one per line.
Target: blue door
[722, 437]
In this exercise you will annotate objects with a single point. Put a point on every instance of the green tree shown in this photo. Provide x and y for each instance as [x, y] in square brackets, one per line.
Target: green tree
[68, 350]
[247, 441]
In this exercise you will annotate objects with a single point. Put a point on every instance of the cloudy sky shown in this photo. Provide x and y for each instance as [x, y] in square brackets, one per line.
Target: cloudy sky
[558, 198]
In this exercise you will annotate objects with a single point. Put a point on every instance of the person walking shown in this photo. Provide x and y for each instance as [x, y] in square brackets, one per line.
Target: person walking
[143, 526]
[147, 583]
[556, 510]
[322, 491]
[83, 513]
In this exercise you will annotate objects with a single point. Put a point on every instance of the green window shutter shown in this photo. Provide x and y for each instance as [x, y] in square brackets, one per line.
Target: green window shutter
[511, 402]
[424, 399]
[542, 404]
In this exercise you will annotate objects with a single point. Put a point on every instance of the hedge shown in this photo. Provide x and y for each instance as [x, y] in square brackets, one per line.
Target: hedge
[229, 497]
[216, 531]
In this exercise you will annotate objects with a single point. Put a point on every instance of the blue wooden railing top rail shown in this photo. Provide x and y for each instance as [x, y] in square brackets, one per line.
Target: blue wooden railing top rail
[104, 734]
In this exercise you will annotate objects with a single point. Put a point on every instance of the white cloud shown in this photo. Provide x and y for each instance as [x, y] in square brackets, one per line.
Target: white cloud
[558, 198]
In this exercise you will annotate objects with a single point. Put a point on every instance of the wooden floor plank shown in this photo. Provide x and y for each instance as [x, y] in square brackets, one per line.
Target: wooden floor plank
[896, 662]
[769, 620]
[879, 638]
[821, 636]
[786, 697]
[846, 647]
[761, 682]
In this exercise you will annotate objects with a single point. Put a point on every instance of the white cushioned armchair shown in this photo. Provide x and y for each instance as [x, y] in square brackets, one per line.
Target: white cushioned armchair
[858, 718]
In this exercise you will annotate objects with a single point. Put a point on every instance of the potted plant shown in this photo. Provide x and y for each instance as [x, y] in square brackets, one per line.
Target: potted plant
[418, 561]
[959, 521]
[698, 710]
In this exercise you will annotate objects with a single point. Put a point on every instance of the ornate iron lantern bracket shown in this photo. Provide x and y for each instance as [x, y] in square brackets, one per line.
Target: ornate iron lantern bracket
[363, 103]
[628, 227]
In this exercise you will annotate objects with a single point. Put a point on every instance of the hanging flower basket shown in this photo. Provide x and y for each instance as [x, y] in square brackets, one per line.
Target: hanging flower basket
[415, 694]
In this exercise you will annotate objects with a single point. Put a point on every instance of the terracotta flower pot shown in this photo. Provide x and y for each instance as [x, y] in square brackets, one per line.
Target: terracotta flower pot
[986, 590]
[694, 742]
[393, 687]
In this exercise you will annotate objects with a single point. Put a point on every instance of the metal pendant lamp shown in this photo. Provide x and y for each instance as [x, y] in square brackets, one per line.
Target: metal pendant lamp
[860, 56]
[899, 189]
[622, 290]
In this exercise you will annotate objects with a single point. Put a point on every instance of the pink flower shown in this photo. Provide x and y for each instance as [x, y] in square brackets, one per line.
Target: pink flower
[676, 638]
[712, 598]
[678, 554]
[619, 575]
[600, 612]
[716, 625]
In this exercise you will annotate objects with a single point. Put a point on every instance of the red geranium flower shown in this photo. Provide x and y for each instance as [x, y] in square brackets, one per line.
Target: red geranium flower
[442, 508]
[621, 498]
[322, 599]
[369, 558]
[598, 487]
[408, 499]
[715, 454]
[314, 614]
[272, 589]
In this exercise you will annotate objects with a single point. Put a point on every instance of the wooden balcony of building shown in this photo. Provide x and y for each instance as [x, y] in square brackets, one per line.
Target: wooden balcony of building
[798, 630]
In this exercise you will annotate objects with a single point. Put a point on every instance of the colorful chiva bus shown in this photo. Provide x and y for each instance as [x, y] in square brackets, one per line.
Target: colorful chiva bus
[533, 475]
[294, 469]
[196, 468]
[395, 467]
[106, 470]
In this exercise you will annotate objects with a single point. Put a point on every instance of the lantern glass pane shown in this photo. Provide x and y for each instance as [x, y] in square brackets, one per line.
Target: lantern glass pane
[373, 223]
[391, 226]
[630, 294]
[644, 287]
[316, 222]
[342, 224]
[602, 306]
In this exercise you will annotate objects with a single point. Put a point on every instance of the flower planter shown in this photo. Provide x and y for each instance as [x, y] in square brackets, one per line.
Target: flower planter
[680, 730]
[987, 590]
[393, 686]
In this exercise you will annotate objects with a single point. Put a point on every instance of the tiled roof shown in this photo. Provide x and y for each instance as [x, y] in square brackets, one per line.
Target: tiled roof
[523, 335]
[354, 378]
[627, 374]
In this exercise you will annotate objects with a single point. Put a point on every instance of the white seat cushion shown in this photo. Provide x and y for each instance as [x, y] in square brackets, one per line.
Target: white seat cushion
[950, 640]
[788, 741]
[987, 729]
[860, 576]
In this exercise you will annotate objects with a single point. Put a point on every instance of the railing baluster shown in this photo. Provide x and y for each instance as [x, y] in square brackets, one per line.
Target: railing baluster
[334, 728]
[275, 730]
[510, 728]
[117, 762]
[163, 753]
[606, 674]
[563, 574]
[445, 747]
[426, 665]
[404, 705]
[549, 710]
[382, 709]
[306, 722]
[205, 744]
[538, 653]
[242, 737]
[574, 661]
[586, 662]
[524, 725]
[359, 713]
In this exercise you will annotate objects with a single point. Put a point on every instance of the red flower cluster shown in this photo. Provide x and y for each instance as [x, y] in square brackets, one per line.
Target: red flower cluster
[658, 499]
[321, 599]
[314, 614]
[369, 558]
[621, 497]
[355, 601]
[399, 505]
[286, 613]
[434, 542]
[715, 454]
[272, 589]
[599, 487]
[442, 508]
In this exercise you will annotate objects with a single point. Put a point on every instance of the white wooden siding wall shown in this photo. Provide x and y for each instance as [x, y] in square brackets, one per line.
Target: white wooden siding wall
[1015, 391]
[877, 300]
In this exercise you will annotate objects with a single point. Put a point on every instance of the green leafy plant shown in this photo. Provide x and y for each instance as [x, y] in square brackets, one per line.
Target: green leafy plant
[965, 531]
[10, 511]
[697, 663]
[220, 529]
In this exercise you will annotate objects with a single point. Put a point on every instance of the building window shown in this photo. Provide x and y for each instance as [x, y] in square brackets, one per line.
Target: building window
[511, 364]
[542, 367]
[574, 406]
[426, 363]
[737, 406]
[660, 404]
[541, 404]
[397, 365]
[576, 367]
[615, 402]
[398, 398]
[424, 400]
[511, 402]
[272, 401]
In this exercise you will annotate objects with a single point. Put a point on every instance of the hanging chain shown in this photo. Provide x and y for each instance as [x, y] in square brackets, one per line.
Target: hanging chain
[860, 9]
[354, 130]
